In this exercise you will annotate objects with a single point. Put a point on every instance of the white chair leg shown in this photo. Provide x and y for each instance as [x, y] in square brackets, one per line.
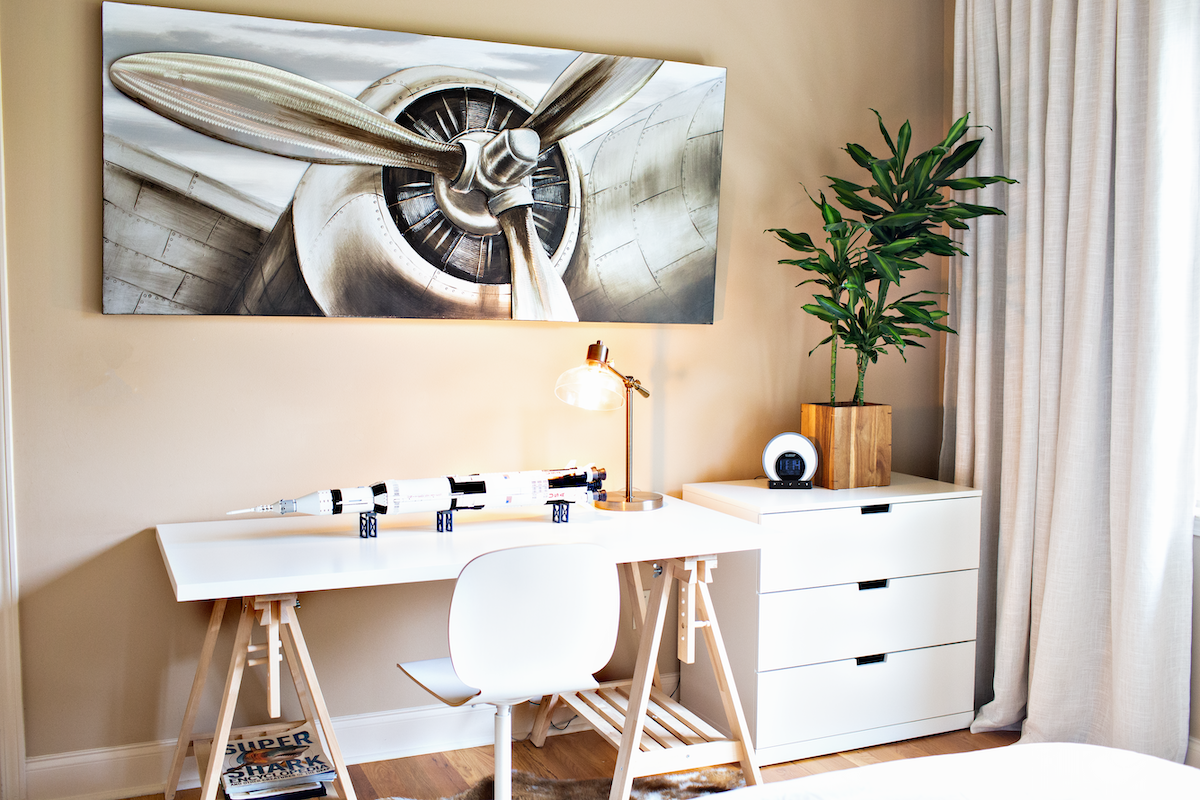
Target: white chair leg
[503, 750]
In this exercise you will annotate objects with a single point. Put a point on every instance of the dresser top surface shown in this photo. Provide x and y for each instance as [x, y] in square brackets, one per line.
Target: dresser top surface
[753, 495]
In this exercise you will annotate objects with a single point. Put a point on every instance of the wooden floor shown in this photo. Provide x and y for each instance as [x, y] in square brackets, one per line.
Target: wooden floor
[586, 755]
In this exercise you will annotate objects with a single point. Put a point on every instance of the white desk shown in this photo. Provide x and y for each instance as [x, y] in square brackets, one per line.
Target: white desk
[267, 561]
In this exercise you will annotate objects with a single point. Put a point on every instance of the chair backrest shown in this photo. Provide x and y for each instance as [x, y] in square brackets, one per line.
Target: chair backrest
[534, 620]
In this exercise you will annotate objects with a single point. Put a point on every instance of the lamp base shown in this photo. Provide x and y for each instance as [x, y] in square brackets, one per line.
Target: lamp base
[639, 501]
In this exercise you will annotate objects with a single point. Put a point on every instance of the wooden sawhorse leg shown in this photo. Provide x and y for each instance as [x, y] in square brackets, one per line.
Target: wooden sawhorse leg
[314, 703]
[184, 743]
[653, 733]
[276, 613]
[696, 612]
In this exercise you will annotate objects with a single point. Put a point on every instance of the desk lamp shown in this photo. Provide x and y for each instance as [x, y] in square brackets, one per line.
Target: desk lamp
[597, 386]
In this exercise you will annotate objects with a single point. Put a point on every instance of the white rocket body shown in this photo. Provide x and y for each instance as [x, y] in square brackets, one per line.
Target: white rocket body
[497, 489]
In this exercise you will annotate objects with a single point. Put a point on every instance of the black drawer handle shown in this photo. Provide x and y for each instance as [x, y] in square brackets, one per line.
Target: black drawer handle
[878, 658]
[865, 585]
[882, 508]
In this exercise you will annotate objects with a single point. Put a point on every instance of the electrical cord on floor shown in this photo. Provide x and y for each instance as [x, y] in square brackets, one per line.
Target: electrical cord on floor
[562, 727]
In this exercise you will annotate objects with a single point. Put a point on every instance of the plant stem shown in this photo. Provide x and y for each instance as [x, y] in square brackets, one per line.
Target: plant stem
[862, 377]
[833, 365]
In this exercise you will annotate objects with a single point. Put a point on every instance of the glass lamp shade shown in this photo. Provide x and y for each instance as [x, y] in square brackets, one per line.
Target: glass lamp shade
[593, 387]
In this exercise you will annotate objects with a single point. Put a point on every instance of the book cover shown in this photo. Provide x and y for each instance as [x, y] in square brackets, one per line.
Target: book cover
[279, 760]
[295, 791]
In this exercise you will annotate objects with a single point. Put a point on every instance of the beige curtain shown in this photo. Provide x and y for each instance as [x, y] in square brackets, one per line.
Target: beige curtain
[1071, 390]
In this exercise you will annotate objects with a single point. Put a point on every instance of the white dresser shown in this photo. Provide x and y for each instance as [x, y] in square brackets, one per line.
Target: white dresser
[855, 624]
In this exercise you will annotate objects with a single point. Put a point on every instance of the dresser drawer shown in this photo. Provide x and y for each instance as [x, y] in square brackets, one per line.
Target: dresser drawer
[807, 626]
[844, 545]
[812, 702]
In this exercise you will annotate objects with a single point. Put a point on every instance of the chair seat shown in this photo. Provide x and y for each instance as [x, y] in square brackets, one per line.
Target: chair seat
[437, 676]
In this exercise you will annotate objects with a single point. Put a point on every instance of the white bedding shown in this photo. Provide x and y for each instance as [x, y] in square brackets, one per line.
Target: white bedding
[1051, 771]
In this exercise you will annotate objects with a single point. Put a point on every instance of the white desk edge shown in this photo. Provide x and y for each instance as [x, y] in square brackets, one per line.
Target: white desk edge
[245, 557]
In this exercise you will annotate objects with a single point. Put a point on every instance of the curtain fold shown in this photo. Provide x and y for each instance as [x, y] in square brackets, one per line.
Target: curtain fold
[1071, 394]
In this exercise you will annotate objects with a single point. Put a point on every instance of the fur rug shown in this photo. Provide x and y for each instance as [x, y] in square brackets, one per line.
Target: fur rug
[674, 786]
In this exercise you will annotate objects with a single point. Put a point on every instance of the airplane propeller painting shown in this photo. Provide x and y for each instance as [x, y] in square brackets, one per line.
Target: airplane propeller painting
[443, 191]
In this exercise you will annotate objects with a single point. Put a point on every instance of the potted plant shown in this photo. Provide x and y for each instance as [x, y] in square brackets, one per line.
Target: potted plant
[901, 213]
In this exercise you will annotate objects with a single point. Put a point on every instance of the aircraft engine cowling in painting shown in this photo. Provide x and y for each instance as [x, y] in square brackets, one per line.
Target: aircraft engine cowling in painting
[394, 241]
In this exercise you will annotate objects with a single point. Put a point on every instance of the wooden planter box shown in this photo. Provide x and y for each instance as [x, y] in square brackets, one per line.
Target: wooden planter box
[854, 443]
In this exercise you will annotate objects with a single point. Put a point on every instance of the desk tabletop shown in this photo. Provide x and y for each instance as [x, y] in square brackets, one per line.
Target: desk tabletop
[284, 555]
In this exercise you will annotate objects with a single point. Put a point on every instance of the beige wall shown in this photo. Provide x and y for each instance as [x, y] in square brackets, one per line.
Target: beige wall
[124, 422]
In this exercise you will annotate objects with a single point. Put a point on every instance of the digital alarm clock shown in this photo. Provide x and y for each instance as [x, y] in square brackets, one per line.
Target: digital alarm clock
[790, 461]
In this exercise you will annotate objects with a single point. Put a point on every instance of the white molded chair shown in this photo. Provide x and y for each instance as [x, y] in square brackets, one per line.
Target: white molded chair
[525, 622]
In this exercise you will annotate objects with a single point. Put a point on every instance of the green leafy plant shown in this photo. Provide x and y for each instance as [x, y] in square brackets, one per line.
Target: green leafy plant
[901, 217]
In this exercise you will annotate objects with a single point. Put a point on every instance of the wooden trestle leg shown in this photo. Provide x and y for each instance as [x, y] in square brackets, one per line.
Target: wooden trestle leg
[184, 743]
[653, 733]
[342, 783]
[276, 613]
[210, 776]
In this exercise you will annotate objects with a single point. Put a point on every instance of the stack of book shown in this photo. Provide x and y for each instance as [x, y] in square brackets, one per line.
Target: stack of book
[285, 766]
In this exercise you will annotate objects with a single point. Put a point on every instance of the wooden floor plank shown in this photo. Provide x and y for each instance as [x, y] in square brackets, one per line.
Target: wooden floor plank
[578, 756]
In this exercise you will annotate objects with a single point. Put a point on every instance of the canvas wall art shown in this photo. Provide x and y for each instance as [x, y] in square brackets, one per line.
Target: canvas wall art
[269, 167]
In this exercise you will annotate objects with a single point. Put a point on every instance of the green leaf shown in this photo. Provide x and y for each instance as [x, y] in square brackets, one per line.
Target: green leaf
[903, 137]
[898, 246]
[887, 137]
[819, 312]
[797, 241]
[826, 340]
[966, 184]
[905, 331]
[860, 155]
[832, 308]
[939, 245]
[884, 266]
[879, 171]
[912, 313]
[902, 219]
[922, 168]
[854, 283]
[956, 131]
[829, 213]
[957, 159]
[861, 205]
[951, 212]
[844, 185]
[981, 211]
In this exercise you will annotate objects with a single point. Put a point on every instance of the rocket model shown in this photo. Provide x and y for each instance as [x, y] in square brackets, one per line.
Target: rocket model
[451, 493]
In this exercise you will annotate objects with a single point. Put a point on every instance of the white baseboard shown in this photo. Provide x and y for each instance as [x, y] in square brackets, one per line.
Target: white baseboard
[110, 773]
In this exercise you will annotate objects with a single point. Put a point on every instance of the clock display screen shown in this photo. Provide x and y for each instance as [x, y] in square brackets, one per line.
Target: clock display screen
[789, 466]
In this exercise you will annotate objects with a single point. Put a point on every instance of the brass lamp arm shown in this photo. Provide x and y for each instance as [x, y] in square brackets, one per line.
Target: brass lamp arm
[629, 381]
